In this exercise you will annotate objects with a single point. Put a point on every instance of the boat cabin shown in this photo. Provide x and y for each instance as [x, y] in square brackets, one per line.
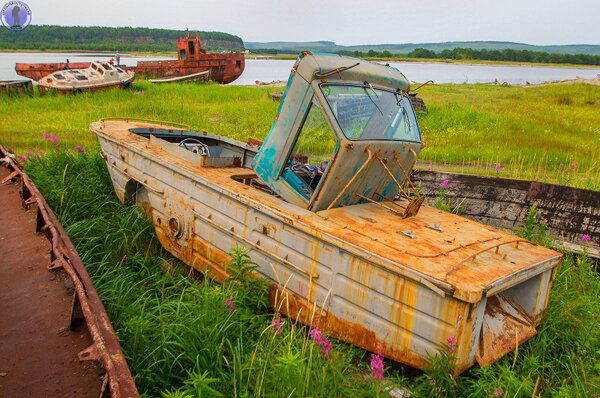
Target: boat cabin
[189, 49]
[354, 121]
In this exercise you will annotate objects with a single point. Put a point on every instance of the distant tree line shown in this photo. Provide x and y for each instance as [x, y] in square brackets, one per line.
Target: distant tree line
[466, 53]
[507, 55]
[96, 38]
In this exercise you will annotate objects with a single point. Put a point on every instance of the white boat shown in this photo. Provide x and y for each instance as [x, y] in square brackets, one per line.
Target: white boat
[99, 76]
[194, 77]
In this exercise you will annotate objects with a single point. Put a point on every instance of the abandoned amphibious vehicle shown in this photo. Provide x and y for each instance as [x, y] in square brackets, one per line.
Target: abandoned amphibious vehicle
[325, 207]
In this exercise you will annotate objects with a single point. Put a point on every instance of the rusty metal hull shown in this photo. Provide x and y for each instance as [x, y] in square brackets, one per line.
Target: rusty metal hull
[352, 270]
[46, 350]
[224, 68]
[39, 71]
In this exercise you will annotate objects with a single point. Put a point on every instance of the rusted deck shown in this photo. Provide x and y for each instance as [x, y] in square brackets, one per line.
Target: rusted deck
[56, 340]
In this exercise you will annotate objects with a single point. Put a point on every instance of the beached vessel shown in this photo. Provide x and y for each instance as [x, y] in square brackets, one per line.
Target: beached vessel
[337, 231]
[224, 67]
[57, 340]
[9, 87]
[99, 76]
[194, 77]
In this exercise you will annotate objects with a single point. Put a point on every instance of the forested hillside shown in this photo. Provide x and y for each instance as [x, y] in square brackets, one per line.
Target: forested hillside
[97, 38]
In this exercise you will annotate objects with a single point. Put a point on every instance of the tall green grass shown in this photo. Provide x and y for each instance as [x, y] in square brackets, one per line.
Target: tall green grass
[181, 339]
[529, 131]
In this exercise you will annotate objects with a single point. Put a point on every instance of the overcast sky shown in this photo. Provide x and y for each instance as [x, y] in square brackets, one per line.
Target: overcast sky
[344, 21]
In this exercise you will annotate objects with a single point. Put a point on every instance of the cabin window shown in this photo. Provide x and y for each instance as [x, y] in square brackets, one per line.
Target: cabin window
[238, 64]
[311, 154]
[94, 67]
[80, 77]
[191, 47]
[58, 76]
[368, 113]
[182, 54]
[106, 66]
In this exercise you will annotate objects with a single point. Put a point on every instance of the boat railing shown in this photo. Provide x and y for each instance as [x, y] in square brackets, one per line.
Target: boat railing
[137, 119]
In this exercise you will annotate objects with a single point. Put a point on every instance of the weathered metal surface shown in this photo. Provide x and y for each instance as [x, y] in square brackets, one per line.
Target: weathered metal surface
[349, 270]
[569, 212]
[367, 269]
[9, 87]
[38, 71]
[99, 76]
[37, 364]
[191, 58]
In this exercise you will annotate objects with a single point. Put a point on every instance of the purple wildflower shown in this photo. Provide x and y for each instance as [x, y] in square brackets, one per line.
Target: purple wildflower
[140, 92]
[319, 339]
[451, 343]
[78, 148]
[574, 166]
[22, 158]
[46, 136]
[429, 167]
[445, 183]
[497, 166]
[376, 367]
[229, 304]
[41, 153]
[276, 322]
[54, 139]
[562, 165]
[585, 238]
[497, 392]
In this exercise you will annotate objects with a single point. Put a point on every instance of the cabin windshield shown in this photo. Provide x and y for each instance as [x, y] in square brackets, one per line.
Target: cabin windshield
[367, 113]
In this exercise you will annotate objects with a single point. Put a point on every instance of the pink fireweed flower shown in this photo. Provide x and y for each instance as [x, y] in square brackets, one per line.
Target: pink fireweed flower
[451, 343]
[276, 322]
[497, 392]
[376, 367]
[54, 140]
[229, 304]
[22, 158]
[562, 165]
[41, 153]
[78, 148]
[445, 183]
[321, 340]
[574, 166]
[140, 92]
[585, 238]
[497, 166]
[46, 136]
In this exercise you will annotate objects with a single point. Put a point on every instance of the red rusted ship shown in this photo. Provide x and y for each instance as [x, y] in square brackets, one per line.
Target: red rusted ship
[191, 58]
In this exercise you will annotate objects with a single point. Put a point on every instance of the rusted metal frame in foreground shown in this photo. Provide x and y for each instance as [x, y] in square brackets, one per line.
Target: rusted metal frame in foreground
[106, 347]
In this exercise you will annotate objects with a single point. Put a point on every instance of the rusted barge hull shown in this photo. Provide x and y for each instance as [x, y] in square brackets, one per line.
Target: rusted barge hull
[53, 344]
[569, 213]
[39, 71]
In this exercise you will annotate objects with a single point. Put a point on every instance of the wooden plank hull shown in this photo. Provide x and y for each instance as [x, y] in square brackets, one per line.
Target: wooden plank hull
[570, 212]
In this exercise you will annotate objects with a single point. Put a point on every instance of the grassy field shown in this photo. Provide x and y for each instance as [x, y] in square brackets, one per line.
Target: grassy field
[186, 337]
[529, 131]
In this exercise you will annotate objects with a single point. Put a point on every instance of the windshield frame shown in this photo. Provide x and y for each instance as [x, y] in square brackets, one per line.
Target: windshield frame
[370, 87]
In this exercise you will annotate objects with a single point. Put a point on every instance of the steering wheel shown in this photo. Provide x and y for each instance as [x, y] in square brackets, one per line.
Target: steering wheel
[191, 140]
